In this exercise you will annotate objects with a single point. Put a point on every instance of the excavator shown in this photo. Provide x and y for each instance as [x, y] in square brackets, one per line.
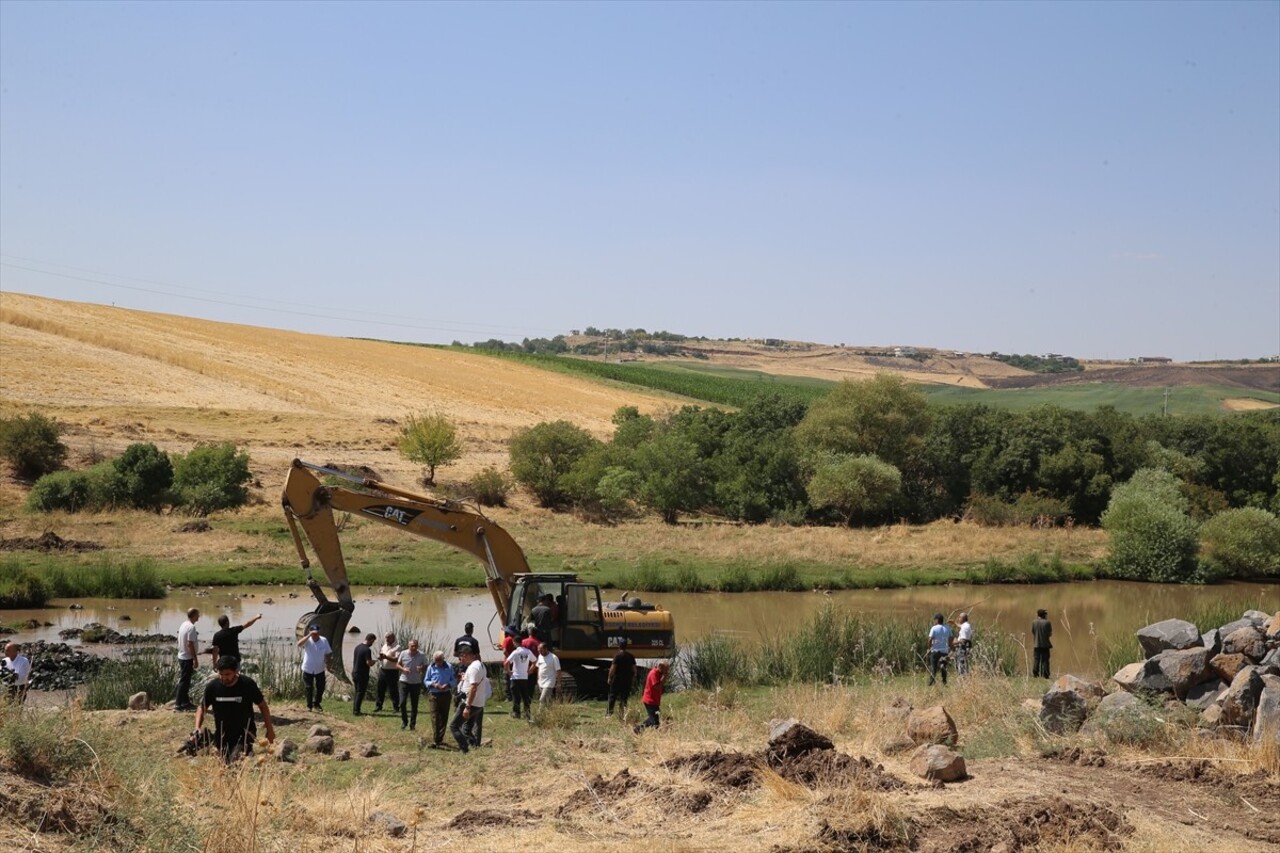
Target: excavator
[585, 631]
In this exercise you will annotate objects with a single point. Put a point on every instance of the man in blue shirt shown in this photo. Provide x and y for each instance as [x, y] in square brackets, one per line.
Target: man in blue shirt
[440, 680]
[939, 645]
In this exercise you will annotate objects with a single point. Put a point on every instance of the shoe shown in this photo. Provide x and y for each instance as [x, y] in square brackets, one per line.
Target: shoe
[403, 727]
[413, 728]
[319, 710]
[637, 729]
[357, 713]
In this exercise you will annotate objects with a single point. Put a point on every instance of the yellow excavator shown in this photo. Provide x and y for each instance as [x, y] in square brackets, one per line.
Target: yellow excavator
[585, 630]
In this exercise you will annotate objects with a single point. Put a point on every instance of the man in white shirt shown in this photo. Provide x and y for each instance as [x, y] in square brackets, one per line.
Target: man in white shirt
[517, 665]
[939, 645]
[389, 675]
[20, 666]
[475, 689]
[316, 653]
[549, 674]
[962, 644]
[188, 641]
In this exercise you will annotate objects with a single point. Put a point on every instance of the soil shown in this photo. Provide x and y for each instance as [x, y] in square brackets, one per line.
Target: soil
[47, 542]
[55, 809]
[481, 818]
[599, 793]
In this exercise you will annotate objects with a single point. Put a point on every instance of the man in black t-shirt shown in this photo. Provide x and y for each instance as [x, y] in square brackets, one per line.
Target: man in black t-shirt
[232, 696]
[361, 667]
[622, 674]
[226, 640]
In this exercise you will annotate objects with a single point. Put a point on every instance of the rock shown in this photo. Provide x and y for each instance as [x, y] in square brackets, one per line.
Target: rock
[1169, 634]
[1226, 666]
[286, 750]
[1063, 711]
[1272, 628]
[319, 730]
[1116, 710]
[1130, 676]
[1271, 661]
[1269, 680]
[1211, 716]
[1245, 641]
[934, 761]
[1204, 695]
[1118, 702]
[389, 823]
[1231, 627]
[342, 755]
[895, 744]
[1184, 668]
[140, 702]
[898, 709]
[1145, 676]
[1212, 640]
[367, 750]
[1032, 705]
[1266, 720]
[322, 744]
[1257, 617]
[932, 725]
[1240, 700]
[76, 607]
[1087, 689]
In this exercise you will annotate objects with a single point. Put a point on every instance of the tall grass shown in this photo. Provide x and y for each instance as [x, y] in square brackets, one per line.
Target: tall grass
[147, 669]
[20, 587]
[1029, 568]
[23, 586]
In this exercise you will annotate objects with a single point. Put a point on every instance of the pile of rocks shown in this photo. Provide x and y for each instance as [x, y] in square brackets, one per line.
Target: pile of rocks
[96, 632]
[57, 666]
[1231, 674]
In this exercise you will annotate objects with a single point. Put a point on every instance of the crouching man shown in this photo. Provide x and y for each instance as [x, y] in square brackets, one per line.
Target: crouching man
[232, 697]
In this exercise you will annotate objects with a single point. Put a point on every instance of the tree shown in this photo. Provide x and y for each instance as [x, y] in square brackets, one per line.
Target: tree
[31, 445]
[883, 417]
[542, 456]
[672, 475]
[854, 485]
[1152, 537]
[211, 477]
[1243, 542]
[145, 474]
[430, 439]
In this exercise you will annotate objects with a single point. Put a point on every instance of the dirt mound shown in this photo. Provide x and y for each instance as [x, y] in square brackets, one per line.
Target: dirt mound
[831, 769]
[721, 769]
[47, 542]
[1015, 825]
[797, 740]
[598, 793]
[481, 818]
[1076, 755]
[75, 810]
[1256, 787]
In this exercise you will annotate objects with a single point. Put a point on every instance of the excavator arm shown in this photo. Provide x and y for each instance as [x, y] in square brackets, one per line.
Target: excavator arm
[310, 504]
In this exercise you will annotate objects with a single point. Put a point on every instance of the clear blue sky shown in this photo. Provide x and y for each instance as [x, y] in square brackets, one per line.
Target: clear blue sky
[1098, 179]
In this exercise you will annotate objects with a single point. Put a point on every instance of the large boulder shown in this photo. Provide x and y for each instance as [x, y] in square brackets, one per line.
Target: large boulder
[1118, 702]
[1231, 627]
[1184, 668]
[1257, 617]
[1203, 695]
[322, 744]
[1089, 689]
[1271, 661]
[1169, 634]
[1227, 666]
[1063, 711]
[1145, 676]
[1272, 629]
[934, 761]
[931, 725]
[140, 702]
[1117, 709]
[1240, 700]
[1245, 641]
[1212, 640]
[1212, 716]
[1266, 720]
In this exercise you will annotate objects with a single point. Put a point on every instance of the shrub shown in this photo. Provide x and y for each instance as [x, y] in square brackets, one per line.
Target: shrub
[862, 485]
[430, 440]
[211, 477]
[30, 445]
[1243, 542]
[20, 588]
[1150, 540]
[145, 475]
[543, 455]
[1028, 509]
[713, 660]
[42, 747]
[65, 490]
[490, 487]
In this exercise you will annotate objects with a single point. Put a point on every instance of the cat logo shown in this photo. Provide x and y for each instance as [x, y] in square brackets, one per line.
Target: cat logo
[392, 513]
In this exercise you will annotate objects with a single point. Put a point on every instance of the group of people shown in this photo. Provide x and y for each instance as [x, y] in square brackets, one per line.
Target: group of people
[943, 642]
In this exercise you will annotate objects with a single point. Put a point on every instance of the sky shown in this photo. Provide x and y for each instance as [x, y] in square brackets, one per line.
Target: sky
[1095, 179]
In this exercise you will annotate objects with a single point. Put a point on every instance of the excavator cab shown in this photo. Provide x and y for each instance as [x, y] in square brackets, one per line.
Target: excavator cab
[577, 613]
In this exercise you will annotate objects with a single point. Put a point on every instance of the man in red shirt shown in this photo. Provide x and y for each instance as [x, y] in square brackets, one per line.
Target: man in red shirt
[652, 697]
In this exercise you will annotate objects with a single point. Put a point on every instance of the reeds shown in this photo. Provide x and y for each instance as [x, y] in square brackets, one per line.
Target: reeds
[152, 670]
[26, 586]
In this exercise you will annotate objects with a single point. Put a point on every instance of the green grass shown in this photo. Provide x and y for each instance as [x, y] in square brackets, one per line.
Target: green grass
[31, 582]
[1183, 399]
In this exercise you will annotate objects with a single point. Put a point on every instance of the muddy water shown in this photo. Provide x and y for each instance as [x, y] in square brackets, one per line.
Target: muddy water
[1083, 614]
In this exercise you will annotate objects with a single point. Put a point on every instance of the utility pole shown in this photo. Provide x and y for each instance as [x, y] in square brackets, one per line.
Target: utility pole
[1166, 402]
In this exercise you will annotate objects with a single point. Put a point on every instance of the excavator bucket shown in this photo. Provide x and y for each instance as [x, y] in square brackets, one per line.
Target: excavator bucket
[333, 627]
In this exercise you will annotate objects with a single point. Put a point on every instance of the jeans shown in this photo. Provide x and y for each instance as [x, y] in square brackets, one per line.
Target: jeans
[521, 694]
[440, 704]
[1040, 662]
[962, 659]
[619, 692]
[361, 685]
[467, 731]
[388, 680]
[937, 661]
[409, 694]
[313, 683]
[653, 720]
[182, 696]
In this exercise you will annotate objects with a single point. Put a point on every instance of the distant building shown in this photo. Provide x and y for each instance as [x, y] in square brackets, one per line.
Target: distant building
[903, 352]
[1154, 359]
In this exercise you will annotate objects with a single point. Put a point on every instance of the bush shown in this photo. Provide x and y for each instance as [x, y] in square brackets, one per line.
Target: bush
[21, 588]
[490, 487]
[1028, 509]
[543, 455]
[30, 445]
[152, 670]
[1243, 542]
[145, 475]
[65, 490]
[1152, 539]
[211, 477]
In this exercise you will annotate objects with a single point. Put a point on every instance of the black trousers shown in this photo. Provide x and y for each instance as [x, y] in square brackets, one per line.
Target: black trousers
[409, 694]
[361, 685]
[937, 662]
[619, 692]
[313, 685]
[182, 695]
[1040, 663]
[388, 680]
[467, 732]
[521, 694]
[653, 720]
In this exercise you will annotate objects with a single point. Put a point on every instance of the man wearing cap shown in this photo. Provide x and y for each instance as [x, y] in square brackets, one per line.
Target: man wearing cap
[939, 645]
[388, 672]
[231, 696]
[440, 680]
[622, 673]
[361, 666]
[413, 666]
[316, 653]
[469, 720]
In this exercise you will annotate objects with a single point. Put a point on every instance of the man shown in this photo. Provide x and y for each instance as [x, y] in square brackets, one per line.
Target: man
[622, 673]
[540, 615]
[316, 653]
[232, 697]
[467, 641]
[188, 637]
[517, 666]
[440, 680]
[226, 640]
[361, 667]
[550, 674]
[652, 697]
[20, 666]
[1041, 631]
[413, 666]
[388, 672]
[939, 645]
[962, 644]
[475, 691]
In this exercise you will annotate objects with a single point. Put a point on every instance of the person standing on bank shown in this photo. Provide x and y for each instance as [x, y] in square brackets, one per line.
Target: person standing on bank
[475, 690]
[1041, 631]
[188, 640]
[517, 665]
[939, 645]
[361, 667]
[622, 673]
[388, 672]
[413, 668]
[316, 653]
[550, 674]
[232, 697]
[439, 679]
[20, 665]
[226, 640]
[652, 697]
[963, 643]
